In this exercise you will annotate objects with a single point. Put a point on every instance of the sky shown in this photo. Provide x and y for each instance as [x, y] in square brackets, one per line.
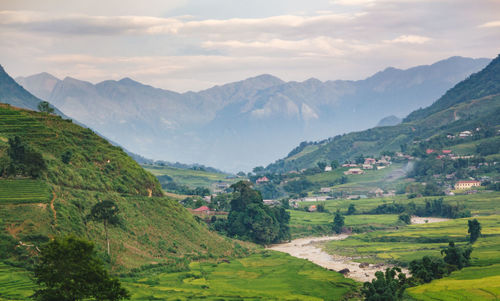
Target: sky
[184, 45]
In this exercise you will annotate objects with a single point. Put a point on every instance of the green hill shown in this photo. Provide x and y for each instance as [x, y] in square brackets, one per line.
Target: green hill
[80, 169]
[471, 104]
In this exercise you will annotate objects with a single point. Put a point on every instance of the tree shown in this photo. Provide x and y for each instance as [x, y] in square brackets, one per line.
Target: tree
[405, 218]
[44, 106]
[321, 166]
[338, 222]
[68, 269]
[107, 213]
[428, 268]
[385, 286]
[66, 156]
[335, 164]
[456, 256]
[351, 210]
[474, 230]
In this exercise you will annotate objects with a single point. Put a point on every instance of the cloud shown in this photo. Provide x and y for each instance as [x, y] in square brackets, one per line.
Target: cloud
[490, 24]
[410, 39]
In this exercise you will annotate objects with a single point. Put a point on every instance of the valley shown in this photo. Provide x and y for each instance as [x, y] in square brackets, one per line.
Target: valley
[418, 196]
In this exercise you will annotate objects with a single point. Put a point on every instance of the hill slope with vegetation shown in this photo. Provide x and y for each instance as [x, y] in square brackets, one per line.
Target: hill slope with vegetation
[53, 172]
[471, 104]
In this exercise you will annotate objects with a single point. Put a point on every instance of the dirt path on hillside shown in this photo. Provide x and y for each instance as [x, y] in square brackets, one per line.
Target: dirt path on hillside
[53, 208]
[308, 248]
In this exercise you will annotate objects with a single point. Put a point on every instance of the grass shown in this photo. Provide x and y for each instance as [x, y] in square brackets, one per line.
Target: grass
[15, 283]
[24, 191]
[408, 243]
[472, 283]
[304, 223]
[268, 275]
[188, 177]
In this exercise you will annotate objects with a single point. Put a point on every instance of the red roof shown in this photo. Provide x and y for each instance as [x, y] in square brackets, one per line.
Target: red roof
[446, 151]
[202, 208]
[429, 151]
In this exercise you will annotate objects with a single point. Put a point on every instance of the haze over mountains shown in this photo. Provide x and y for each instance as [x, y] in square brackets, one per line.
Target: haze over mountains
[247, 123]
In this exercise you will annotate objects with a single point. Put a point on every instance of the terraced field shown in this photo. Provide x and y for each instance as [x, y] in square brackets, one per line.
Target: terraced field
[15, 283]
[14, 122]
[408, 243]
[24, 191]
[266, 276]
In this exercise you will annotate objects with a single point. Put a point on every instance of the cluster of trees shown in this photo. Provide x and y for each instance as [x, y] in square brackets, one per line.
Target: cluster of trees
[392, 284]
[250, 219]
[435, 207]
[69, 269]
[22, 160]
[386, 286]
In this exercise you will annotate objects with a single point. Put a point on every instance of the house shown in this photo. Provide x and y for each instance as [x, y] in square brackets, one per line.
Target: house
[383, 161]
[207, 198]
[367, 166]
[429, 151]
[325, 190]
[271, 202]
[202, 209]
[378, 192]
[354, 171]
[312, 208]
[467, 184]
[465, 134]
[446, 151]
[328, 168]
[263, 179]
[370, 161]
[381, 167]
[349, 165]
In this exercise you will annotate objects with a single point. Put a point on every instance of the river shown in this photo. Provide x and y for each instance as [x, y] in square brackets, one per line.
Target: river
[307, 248]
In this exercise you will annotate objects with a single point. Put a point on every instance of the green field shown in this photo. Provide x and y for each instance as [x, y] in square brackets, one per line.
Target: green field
[412, 242]
[304, 223]
[15, 283]
[473, 283]
[24, 191]
[268, 275]
[188, 177]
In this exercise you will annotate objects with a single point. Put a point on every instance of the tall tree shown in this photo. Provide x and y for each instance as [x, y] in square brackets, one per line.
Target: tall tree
[68, 269]
[44, 106]
[474, 230]
[105, 212]
[338, 222]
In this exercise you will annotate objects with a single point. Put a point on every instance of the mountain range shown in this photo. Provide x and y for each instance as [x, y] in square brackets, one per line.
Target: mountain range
[247, 123]
[472, 104]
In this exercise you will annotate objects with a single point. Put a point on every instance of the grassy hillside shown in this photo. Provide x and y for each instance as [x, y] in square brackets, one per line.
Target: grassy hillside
[189, 177]
[473, 103]
[154, 229]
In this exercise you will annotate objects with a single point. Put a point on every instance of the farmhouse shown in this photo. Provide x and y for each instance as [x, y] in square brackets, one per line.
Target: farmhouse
[465, 134]
[467, 184]
[328, 168]
[370, 161]
[325, 190]
[202, 209]
[264, 179]
[367, 166]
[354, 171]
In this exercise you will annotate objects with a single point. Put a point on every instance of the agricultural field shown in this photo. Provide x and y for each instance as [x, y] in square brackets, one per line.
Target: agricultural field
[400, 246]
[304, 223]
[472, 283]
[24, 191]
[15, 283]
[268, 275]
[188, 177]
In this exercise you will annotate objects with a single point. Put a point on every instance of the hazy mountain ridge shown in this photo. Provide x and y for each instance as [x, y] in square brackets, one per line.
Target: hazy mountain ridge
[250, 122]
[472, 103]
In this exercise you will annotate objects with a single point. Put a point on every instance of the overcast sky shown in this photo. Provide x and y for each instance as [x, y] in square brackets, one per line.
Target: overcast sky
[185, 45]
